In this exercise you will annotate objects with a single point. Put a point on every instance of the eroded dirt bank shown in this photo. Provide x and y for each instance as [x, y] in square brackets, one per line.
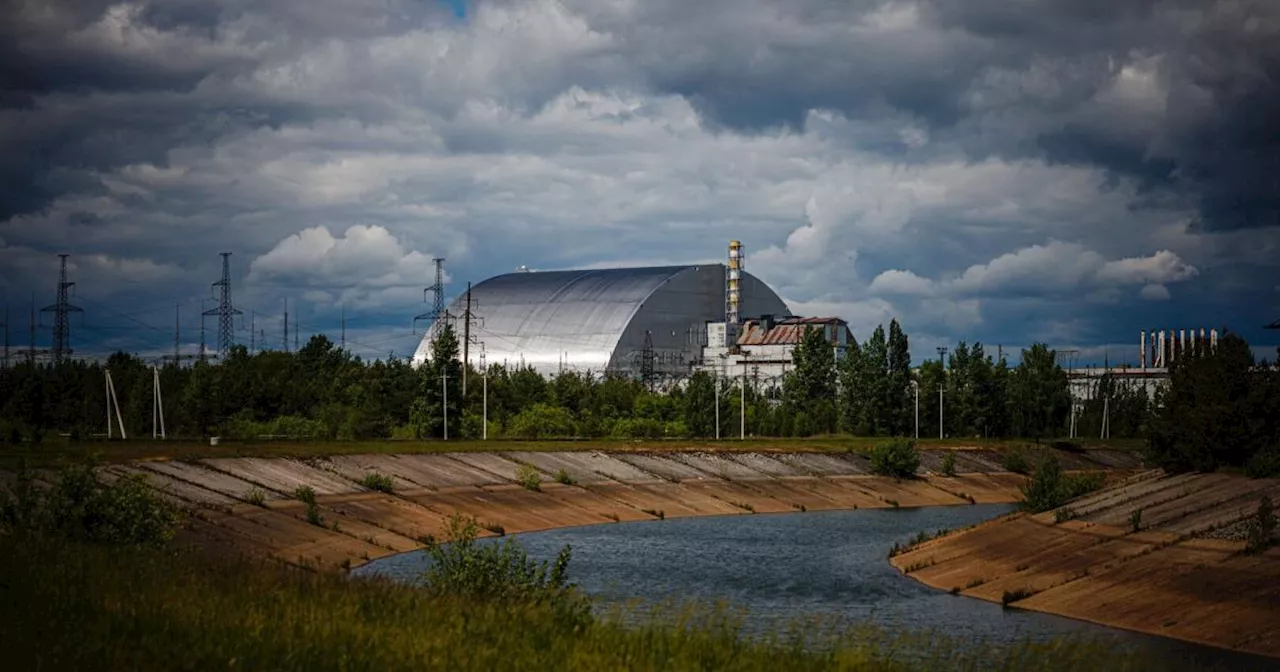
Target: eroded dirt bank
[1176, 569]
[248, 505]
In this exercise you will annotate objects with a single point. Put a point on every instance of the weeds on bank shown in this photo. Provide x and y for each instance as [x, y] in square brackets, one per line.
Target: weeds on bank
[379, 482]
[949, 464]
[1135, 520]
[1049, 488]
[256, 497]
[1262, 529]
[529, 478]
[656, 513]
[307, 496]
[563, 478]
[1011, 596]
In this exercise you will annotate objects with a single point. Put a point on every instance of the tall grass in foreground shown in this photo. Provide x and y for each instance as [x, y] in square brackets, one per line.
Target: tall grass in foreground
[68, 605]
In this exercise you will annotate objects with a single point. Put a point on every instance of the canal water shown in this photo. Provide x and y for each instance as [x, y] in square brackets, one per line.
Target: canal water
[785, 567]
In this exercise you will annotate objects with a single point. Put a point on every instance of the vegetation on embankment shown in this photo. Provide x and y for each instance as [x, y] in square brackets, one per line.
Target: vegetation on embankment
[74, 605]
[58, 450]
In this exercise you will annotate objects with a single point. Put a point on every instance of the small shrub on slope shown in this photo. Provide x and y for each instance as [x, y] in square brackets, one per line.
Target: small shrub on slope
[897, 458]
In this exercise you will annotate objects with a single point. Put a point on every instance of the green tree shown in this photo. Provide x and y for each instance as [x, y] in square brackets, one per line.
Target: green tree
[898, 400]
[1040, 398]
[440, 384]
[810, 388]
[852, 374]
[875, 354]
[1218, 410]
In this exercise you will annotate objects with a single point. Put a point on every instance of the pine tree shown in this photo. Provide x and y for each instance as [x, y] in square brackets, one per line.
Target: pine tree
[898, 396]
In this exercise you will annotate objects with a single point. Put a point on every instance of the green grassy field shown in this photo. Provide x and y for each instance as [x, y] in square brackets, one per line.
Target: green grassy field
[70, 606]
[56, 450]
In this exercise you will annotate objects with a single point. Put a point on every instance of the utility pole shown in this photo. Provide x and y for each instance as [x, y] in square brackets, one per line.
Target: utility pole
[61, 323]
[111, 397]
[202, 347]
[467, 339]
[942, 358]
[743, 410]
[286, 325]
[716, 379]
[6, 334]
[225, 311]
[177, 335]
[253, 332]
[915, 385]
[484, 427]
[157, 408]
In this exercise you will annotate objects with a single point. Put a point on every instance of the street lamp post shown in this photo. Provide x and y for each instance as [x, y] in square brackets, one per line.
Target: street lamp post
[484, 428]
[915, 386]
[942, 358]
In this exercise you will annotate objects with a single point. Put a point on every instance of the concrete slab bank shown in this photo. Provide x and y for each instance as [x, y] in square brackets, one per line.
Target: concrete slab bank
[1176, 568]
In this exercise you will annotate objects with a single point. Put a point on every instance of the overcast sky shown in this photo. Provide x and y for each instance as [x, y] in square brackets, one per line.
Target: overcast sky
[1066, 171]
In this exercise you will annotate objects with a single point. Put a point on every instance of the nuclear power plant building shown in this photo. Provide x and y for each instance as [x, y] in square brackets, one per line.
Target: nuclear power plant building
[624, 321]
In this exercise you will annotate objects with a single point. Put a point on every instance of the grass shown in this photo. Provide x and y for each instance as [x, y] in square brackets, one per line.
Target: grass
[1011, 596]
[257, 497]
[563, 478]
[656, 513]
[58, 450]
[76, 606]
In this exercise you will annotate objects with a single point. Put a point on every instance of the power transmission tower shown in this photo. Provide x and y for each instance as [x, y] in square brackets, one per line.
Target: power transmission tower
[646, 360]
[343, 342]
[437, 307]
[468, 318]
[61, 325]
[225, 311]
[286, 325]
[6, 334]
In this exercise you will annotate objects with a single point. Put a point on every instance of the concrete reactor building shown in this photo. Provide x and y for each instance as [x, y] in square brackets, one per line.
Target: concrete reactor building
[640, 322]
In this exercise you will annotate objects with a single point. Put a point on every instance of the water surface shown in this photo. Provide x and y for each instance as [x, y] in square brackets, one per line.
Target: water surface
[783, 567]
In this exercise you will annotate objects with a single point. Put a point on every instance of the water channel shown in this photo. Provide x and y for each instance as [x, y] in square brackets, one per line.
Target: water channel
[785, 567]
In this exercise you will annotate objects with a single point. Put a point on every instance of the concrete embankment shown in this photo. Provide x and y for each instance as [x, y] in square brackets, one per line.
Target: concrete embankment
[248, 505]
[1176, 568]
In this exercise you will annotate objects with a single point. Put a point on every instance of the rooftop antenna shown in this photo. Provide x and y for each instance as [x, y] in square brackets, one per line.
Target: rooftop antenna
[225, 311]
[61, 325]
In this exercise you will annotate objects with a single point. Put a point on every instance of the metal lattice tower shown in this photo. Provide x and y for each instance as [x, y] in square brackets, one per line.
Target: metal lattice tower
[225, 311]
[60, 309]
[647, 375]
[437, 308]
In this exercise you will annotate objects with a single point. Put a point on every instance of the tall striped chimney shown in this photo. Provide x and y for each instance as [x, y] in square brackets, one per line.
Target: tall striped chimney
[733, 284]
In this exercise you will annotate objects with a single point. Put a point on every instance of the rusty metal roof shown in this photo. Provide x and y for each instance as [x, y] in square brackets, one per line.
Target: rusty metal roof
[784, 331]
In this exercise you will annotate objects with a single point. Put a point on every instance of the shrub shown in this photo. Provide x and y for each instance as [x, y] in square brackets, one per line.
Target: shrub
[897, 458]
[1135, 520]
[564, 478]
[308, 496]
[79, 506]
[1049, 488]
[256, 497]
[1011, 596]
[528, 477]
[638, 428]
[1064, 514]
[499, 571]
[1015, 460]
[949, 464]
[1262, 529]
[656, 513]
[542, 421]
[380, 482]
[1264, 464]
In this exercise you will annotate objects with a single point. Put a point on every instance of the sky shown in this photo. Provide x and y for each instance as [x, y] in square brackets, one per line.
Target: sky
[1062, 171]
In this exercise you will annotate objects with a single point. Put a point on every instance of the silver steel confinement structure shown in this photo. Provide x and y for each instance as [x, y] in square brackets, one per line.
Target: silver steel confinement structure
[597, 320]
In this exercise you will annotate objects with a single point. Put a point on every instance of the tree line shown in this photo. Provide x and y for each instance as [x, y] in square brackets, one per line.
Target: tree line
[322, 391]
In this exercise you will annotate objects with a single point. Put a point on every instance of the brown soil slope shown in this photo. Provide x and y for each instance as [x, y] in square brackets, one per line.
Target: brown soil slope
[1181, 573]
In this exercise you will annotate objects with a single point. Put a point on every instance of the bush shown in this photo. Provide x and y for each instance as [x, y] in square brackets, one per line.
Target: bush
[1015, 460]
[1049, 489]
[1011, 596]
[1135, 520]
[257, 497]
[564, 478]
[542, 421]
[897, 458]
[638, 428]
[528, 477]
[79, 506]
[1262, 529]
[1264, 464]
[949, 464]
[499, 571]
[380, 482]
[308, 497]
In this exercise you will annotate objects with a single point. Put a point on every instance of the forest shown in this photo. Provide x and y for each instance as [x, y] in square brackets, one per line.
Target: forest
[324, 392]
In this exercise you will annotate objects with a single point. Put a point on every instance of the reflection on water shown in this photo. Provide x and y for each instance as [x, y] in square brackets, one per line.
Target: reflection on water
[785, 567]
